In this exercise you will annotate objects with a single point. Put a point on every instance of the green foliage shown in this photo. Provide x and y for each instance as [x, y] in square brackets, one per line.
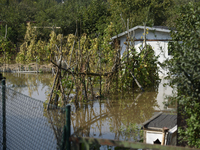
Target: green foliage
[90, 16]
[32, 50]
[15, 16]
[152, 12]
[184, 71]
[27, 49]
[144, 67]
[7, 49]
[106, 49]
[94, 16]
[133, 131]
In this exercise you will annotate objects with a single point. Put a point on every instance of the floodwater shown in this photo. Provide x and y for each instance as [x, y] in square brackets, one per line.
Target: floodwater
[113, 117]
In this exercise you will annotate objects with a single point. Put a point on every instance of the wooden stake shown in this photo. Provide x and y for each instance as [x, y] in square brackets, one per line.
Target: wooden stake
[136, 81]
[52, 89]
[6, 31]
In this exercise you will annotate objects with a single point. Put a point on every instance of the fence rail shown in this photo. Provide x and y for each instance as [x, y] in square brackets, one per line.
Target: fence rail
[83, 143]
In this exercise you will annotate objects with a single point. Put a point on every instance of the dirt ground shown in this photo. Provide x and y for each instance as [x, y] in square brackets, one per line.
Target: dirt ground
[29, 67]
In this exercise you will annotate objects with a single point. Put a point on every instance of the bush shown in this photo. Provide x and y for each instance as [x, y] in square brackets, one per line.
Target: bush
[184, 72]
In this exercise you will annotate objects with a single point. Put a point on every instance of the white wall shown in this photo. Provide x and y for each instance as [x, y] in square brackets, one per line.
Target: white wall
[163, 91]
[152, 136]
[160, 47]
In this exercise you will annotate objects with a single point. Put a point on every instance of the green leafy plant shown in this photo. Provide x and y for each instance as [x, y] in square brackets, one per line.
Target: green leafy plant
[7, 49]
[184, 73]
[144, 67]
[132, 130]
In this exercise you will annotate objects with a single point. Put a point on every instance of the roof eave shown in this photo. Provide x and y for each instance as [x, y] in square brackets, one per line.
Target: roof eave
[140, 27]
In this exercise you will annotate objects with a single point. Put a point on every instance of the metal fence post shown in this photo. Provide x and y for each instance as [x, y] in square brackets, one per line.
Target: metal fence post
[63, 138]
[68, 127]
[4, 112]
[67, 130]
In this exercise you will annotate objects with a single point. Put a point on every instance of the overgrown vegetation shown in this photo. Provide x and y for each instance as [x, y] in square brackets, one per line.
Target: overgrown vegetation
[78, 32]
[184, 73]
[92, 16]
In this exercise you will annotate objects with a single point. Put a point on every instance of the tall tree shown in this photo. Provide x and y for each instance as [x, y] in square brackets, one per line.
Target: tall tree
[184, 73]
[94, 16]
[153, 12]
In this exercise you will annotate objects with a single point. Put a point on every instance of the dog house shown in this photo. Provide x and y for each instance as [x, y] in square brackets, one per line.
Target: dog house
[161, 129]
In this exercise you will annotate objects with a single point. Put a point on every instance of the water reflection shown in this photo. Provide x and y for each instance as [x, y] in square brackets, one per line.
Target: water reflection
[109, 117]
[56, 119]
[33, 85]
[113, 117]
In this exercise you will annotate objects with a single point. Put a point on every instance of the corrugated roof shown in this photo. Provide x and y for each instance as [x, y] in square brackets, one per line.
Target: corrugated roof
[161, 121]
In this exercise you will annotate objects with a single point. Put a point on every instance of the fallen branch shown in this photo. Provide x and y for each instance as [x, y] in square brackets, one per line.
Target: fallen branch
[83, 73]
[136, 80]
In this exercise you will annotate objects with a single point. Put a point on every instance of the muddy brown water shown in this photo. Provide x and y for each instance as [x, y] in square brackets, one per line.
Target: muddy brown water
[113, 117]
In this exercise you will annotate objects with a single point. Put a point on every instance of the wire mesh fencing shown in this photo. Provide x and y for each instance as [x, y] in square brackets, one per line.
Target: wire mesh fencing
[27, 125]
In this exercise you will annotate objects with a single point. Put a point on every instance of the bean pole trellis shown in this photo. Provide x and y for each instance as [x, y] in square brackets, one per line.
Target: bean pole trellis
[79, 64]
[78, 73]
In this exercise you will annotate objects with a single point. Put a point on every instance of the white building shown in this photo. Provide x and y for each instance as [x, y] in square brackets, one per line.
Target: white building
[158, 37]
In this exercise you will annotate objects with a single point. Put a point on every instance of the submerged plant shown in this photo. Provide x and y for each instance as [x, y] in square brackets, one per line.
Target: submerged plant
[133, 130]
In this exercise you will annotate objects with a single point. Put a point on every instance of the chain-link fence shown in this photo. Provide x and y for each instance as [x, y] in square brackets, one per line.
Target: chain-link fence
[25, 124]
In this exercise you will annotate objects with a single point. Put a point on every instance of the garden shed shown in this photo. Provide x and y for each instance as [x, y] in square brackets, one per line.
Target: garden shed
[158, 37]
[161, 129]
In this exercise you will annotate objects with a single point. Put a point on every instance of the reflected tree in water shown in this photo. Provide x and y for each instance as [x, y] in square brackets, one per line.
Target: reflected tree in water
[114, 114]
[19, 81]
[56, 117]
